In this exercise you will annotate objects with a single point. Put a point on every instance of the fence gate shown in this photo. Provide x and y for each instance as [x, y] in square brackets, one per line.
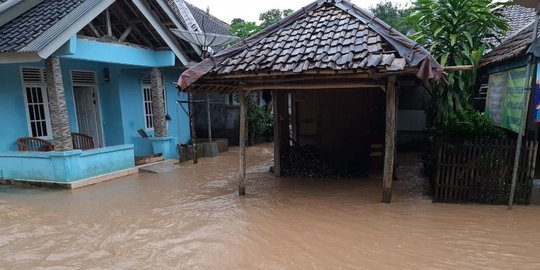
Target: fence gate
[480, 171]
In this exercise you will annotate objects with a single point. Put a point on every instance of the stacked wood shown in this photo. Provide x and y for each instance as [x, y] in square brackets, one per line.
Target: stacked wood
[303, 161]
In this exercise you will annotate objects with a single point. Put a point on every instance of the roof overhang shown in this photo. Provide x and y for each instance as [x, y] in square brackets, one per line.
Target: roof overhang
[50, 41]
[17, 57]
[11, 9]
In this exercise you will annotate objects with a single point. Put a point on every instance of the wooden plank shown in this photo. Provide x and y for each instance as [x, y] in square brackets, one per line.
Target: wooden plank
[390, 139]
[438, 173]
[242, 142]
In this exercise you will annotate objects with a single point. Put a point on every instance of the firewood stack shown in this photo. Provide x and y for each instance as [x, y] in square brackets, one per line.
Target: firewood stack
[304, 161]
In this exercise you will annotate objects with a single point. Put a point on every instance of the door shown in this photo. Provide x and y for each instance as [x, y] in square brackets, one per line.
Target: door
[87, 107]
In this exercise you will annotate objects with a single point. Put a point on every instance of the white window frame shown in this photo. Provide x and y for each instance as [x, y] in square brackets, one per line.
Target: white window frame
[43, 86]
[147, 88]
[146, 84]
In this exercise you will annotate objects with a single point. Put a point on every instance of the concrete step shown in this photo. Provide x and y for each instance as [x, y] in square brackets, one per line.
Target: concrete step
[159, 167]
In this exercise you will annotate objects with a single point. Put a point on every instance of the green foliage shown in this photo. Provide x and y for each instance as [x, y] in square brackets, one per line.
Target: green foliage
[260, 121]
[466, 125]
[393, 14]
[243, 29]
[456, 32]
[273, 16]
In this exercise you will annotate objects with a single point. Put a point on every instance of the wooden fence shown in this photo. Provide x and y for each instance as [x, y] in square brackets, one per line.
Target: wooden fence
[480, 171]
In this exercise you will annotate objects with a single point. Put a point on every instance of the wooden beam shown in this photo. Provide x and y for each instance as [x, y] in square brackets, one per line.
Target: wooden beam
[457, 68]
[125, 34]
[108, 22]
[242, 143]
[94, 30]
[277, 138]
[390, 140]
[312, 86]
[137, 33]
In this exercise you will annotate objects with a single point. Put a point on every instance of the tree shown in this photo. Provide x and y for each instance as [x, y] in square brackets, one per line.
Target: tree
[393, 14]
[273, 16]
[456, 32]
[243, 29]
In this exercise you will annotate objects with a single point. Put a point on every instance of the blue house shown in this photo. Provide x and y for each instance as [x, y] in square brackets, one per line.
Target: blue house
[102, 68]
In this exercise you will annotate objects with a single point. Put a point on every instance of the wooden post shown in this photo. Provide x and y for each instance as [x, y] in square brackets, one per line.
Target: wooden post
[242, 167]
[192, 127]
[277, 139]
[390, 139]
[209, 118]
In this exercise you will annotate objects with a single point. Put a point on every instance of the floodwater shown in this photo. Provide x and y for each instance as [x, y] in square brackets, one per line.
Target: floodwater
[192, 218]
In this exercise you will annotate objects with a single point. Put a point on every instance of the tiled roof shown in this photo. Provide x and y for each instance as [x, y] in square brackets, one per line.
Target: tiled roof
[329, 35]
[518, 39]
[514, 46]
[22, 30]
[516, 42]
[517, 17]
[208, 23]
[327, 38]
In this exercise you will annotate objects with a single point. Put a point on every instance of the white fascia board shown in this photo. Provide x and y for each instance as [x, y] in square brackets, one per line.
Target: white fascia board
[162, 32]
[15, 58]
[56, 36]
[176, 22]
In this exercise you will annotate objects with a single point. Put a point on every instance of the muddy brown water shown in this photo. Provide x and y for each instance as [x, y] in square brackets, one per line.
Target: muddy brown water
[192, 218]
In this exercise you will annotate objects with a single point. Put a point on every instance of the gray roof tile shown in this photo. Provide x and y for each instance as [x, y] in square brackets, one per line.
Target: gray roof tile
[517, 40]
[341, 39]
[22, 30]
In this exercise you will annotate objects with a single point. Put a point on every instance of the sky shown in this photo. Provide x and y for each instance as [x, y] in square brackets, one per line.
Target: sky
[249, 10]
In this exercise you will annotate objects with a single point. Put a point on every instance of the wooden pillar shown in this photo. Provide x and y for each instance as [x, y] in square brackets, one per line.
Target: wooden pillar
[192, 132]
[57, 105]
[277, 138]
[390, 139]
[242, 142]
[158, 104]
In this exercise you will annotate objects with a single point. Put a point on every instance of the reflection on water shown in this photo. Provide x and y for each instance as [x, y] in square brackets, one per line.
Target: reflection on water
[192, 218]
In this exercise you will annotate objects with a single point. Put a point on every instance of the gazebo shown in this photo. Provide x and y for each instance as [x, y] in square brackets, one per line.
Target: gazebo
[332, 59]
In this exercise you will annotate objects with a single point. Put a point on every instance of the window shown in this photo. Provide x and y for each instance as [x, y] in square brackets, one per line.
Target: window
[148, 113]
[232, 99]
[147, 102]
[36, 102]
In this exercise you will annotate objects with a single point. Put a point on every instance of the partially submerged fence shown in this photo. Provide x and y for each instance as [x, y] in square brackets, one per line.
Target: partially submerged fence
[480, 171]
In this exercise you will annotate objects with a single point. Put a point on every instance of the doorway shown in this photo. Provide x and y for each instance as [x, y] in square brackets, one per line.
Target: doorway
[87, 105]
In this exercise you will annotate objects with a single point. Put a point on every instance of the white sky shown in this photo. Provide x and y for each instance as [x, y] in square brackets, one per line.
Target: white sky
[249, 10]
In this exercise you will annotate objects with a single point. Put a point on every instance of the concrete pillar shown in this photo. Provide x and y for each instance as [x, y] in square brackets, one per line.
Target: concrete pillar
[158, 104]
[57, 105]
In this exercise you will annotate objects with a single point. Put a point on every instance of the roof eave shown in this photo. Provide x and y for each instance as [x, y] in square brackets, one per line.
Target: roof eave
[164, 33]
[16, 57]
[56, 36]
[10, 10]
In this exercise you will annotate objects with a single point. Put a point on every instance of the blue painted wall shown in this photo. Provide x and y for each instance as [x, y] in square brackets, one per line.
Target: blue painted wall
[12, 110]
[68, 166]
[91, 50]
[120, 98]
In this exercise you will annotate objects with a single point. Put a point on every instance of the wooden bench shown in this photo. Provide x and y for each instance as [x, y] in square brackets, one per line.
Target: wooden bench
[34, 144]
[82, 141]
